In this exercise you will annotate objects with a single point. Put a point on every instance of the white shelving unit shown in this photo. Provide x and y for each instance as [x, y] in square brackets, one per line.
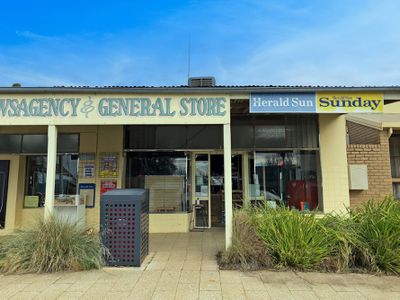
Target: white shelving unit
[71, 212]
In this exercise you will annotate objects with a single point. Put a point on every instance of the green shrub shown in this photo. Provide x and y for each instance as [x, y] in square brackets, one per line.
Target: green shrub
[343, 236]
[51, 246]
[248, 251]
[378, 235]
[367, 238]
[294, 239]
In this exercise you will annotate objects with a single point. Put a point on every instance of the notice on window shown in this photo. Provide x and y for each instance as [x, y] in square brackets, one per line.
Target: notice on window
[87, 165]
[31, 201]
[107, 185]
[204, 191]
[108, 165]
[88, 170]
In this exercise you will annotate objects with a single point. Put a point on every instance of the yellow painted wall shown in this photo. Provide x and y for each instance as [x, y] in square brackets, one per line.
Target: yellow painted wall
[164, 223]
[108, 139]
[335, 186]
[104, 138]
[392, 108]
[95, 139]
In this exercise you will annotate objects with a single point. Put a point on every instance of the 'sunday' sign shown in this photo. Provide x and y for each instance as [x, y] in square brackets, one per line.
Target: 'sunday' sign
[349, 102]
[42, 110]
[323, 102]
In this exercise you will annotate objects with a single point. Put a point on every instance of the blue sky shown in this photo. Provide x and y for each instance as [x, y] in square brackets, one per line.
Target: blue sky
[315, 42]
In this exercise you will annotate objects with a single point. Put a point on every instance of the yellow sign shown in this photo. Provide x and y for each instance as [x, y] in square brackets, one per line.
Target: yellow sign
[345, 102]
[31, 201]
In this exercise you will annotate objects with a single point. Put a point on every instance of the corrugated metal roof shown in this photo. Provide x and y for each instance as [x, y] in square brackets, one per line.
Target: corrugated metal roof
[229, 86]
[194, 90]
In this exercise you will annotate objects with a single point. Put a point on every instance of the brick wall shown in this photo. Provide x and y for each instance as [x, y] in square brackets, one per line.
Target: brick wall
[377, 157]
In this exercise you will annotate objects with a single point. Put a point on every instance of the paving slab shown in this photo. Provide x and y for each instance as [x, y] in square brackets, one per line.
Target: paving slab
[210, 281]
[210, 295]
[304, 295]
[252, 283]
[257, 295]
[187, 291]
[278, 291]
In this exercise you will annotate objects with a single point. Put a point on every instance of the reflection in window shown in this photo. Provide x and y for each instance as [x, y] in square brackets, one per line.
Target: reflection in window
[164, 174]
[396, 191]
[201, 172]
[394, 144]
[285, 178]
[66, 177]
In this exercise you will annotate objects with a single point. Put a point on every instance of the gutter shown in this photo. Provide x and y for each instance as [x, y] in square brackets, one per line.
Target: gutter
[185, 89]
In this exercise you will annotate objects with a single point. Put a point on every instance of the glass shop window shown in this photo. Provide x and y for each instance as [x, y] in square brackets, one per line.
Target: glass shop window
[37, 143]
[396, 191]
[35, 183]
[286, 178]
[164, 174]
[173, 137]
[394, 146]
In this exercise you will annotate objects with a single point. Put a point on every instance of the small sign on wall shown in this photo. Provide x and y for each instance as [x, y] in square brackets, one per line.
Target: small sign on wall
[358, 177]
[87, 165]
[109, 165]
[31, 201]
[87, 191]
[107, 185]
[88, 170]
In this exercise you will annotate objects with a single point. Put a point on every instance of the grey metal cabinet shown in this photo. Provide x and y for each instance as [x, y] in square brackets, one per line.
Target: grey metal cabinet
[124, 222]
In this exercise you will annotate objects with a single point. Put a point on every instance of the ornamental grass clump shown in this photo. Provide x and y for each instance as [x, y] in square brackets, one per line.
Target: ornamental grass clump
[366, 239]
[293, 239]
[341, 229]
[51, 246]
[248, 251]
[378, 236]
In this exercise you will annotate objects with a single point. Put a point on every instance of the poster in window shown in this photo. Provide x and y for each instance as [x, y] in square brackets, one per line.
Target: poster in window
[87, 165]
[108, 165]
[88, 170]
[31, 201]
[107, 185]
[204, 191]
[87, 191]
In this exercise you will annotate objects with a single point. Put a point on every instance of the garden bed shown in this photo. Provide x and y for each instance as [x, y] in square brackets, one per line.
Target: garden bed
[366, 239]
[53, 245]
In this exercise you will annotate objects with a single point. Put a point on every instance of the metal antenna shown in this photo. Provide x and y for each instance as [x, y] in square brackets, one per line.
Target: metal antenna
[189, 52]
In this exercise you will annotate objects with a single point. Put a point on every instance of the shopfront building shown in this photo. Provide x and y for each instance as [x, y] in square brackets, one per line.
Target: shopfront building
[61, 148]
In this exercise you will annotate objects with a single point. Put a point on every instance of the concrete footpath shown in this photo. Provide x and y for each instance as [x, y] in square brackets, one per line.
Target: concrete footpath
[183, 266]
[192, 283]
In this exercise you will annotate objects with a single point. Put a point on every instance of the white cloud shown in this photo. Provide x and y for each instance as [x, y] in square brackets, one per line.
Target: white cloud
[358, 50]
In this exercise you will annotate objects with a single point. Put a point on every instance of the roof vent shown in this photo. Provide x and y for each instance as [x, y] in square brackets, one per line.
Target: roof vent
[16, 85]
[201, 81]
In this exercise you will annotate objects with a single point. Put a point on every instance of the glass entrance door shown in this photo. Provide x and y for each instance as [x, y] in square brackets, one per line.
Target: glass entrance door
[201, 191]
[4, 170]
[217, 190]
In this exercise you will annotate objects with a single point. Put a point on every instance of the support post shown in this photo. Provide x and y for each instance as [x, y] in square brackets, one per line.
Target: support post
[246, 178]
[333, 152]
[228, 185]
[51, 170]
